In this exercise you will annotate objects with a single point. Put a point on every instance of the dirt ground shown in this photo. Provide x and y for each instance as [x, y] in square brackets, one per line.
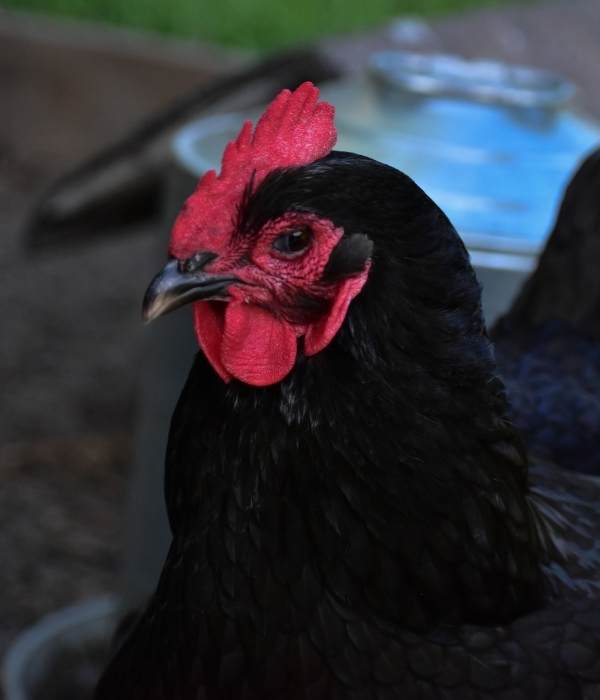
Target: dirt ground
[71, 336]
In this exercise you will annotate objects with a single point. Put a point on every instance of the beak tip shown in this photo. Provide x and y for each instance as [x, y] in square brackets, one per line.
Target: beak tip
[146, 312]
[149, 313]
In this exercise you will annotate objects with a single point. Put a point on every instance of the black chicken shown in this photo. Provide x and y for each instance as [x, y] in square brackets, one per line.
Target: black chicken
[353, 514]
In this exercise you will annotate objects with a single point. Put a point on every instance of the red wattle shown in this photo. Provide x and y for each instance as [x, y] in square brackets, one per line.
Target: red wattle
[209, 324]
[320, 334]
[247, 342]
[258, 348]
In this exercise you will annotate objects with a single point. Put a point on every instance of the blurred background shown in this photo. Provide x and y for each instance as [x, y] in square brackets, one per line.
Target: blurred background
[261, 25]
[77, 369]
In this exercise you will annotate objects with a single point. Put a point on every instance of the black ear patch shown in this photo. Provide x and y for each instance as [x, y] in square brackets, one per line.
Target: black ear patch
[348, 258]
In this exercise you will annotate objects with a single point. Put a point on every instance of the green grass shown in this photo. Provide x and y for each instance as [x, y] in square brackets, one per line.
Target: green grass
[261, 24]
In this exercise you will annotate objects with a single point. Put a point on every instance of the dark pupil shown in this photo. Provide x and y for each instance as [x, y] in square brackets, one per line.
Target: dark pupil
[292, 241]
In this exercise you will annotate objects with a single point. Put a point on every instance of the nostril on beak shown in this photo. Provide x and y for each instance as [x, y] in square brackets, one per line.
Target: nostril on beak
[196, 262]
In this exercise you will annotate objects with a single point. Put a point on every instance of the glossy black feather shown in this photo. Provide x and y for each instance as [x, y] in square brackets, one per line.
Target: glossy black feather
[369, 528]
[552, 373]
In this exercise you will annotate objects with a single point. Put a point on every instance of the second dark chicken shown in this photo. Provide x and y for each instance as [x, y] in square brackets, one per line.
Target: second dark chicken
[548, 345]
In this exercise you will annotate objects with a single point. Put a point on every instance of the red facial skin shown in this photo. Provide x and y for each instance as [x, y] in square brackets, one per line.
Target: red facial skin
[271, 275]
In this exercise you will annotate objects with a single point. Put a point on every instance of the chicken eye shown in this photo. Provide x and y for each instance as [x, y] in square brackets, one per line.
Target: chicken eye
[294, 242]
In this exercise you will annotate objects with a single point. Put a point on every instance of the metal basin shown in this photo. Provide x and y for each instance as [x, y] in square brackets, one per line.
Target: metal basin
[79, 633]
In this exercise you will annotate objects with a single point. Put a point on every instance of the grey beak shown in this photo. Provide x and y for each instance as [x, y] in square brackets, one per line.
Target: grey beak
[172, 288]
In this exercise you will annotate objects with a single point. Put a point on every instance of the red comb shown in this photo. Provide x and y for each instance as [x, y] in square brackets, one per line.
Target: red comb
[295, 130]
